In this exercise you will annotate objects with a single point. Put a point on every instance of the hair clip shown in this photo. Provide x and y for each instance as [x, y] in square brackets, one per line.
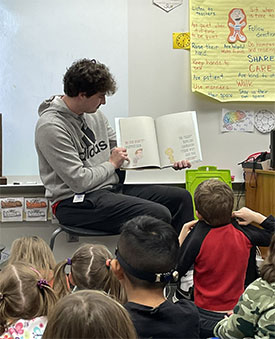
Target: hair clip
[1, 296]
[42, 282]
[69, 261]
[108, 263]
[165, 277]
[35, 270]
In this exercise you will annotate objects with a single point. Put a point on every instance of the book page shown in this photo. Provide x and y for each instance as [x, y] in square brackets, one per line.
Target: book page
[138, 136]
[178, 138]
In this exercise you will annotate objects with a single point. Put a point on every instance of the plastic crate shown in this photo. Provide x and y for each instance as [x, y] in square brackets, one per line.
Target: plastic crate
[194, 177]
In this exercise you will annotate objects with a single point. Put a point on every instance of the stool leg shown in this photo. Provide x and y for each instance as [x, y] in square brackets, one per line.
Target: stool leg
[53, 236]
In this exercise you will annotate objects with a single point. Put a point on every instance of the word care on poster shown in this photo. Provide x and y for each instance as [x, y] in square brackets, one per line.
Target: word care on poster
[233, 49]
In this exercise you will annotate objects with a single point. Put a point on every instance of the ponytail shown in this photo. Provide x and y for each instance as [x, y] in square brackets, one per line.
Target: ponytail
[60, 282]
[49, 298]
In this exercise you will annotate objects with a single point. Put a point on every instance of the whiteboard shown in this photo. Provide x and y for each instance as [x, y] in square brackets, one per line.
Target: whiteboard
[40, 39]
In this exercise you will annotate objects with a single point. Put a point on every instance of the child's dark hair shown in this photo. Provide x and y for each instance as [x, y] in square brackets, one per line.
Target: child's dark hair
[89, 314]
[23, 294]
[148, 246]
[267, 270]
[90, 269]
[90, 77]
[214, 200]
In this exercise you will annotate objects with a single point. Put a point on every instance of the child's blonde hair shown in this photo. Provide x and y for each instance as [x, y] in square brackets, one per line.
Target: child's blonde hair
[89, 314]
[34, 251]
[90, 269]
[23, 294]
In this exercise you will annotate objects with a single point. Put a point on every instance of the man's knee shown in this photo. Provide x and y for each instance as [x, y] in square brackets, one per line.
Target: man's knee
[160, 212]
[182, 194]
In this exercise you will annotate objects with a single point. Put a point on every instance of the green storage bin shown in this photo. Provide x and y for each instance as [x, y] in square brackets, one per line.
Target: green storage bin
[193, 177]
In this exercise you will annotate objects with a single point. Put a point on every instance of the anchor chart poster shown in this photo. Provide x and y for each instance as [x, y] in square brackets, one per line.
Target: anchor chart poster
[233, 49]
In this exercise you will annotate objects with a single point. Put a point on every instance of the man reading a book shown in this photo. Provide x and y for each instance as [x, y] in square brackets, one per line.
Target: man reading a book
[79, 160]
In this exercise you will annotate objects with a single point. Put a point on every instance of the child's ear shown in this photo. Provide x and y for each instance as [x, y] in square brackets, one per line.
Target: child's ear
[199, 215]
[117, 269]
[71, 280]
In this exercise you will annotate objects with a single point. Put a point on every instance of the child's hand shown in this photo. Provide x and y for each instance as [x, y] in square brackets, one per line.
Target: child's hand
[246, 216]
[186, 229]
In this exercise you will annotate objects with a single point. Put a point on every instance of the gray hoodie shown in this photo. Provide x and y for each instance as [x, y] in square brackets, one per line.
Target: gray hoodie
[73, 150]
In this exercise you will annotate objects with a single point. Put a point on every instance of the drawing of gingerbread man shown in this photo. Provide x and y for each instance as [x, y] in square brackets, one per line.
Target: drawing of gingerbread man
[236, 24]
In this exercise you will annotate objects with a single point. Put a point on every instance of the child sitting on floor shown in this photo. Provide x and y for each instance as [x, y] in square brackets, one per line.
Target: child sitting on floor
[90, 269]
[254, 314]
[89, 314]
[36, 252]
[146, 258]
[26, 299]
[219, 248]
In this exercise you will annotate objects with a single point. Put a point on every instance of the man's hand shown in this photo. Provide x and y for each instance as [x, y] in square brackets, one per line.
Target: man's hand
[118, 156]
[186, 228]
[246, 216]
[179, 165]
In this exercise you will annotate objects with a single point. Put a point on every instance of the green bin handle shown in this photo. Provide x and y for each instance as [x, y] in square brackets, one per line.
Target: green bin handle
[207, 168]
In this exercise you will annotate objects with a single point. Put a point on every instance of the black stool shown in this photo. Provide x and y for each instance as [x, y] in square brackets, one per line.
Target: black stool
[78, 231]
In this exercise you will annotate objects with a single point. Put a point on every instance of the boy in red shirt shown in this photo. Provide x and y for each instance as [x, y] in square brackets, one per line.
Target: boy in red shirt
[220, 250]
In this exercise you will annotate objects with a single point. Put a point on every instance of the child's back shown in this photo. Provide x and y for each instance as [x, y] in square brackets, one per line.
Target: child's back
[146, 258]
[254, 315]
[220, 249]
[25, 302]
[167, 320]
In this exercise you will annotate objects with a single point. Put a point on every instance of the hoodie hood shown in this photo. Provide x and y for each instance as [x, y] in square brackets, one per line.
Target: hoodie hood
[45, 105]
[56, 105]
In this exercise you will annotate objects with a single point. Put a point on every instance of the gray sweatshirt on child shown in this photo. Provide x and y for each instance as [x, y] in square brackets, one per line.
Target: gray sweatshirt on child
[73, 150]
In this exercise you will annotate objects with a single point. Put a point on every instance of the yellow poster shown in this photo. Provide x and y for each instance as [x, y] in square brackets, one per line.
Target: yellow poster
[233, 49]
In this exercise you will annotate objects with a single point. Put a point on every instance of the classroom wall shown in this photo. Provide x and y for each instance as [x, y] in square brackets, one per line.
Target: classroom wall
[159, 83]
[39, 39]
[134, 38]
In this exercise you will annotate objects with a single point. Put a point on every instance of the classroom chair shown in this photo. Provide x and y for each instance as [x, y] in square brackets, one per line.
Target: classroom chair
[77, 232]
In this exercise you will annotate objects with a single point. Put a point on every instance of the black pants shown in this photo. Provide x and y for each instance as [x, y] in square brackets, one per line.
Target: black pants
[208, 320]
[109, 209]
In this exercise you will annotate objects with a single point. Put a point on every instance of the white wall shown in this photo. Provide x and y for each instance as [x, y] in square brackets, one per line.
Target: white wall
[159, 83]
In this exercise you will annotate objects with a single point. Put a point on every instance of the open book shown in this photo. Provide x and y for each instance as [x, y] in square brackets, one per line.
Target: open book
[159, 142]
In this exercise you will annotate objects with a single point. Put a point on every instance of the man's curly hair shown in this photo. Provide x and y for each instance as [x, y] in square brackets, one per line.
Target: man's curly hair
[90, 77]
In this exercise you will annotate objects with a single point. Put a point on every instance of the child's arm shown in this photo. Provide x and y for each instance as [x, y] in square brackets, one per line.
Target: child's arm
[246, 216]
[257, 236]
[241, 323]
[191, 245]
[249, 314]
[186, 228]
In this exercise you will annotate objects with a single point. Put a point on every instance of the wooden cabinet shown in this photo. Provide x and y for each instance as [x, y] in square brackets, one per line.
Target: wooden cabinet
[260, 193]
